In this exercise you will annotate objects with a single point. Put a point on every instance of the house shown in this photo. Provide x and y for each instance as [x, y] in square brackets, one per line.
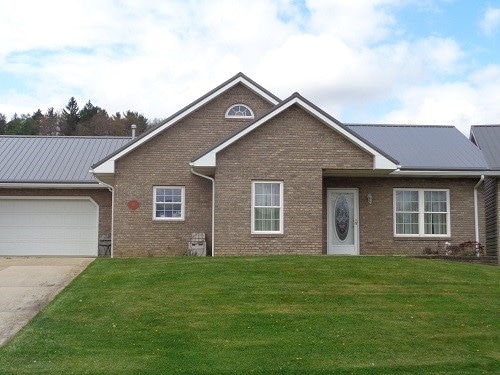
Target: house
[487, 138]
[261, 175]
[49, 202]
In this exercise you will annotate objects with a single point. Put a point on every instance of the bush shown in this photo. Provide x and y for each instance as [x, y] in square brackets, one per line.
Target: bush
[469, 248]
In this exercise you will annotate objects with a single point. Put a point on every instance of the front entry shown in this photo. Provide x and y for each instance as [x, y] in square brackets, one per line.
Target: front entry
[342, 222]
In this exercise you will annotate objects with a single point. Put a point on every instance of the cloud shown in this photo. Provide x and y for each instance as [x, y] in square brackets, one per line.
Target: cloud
[490, 22]
[335, 75]
[158, 56]
[460, 103]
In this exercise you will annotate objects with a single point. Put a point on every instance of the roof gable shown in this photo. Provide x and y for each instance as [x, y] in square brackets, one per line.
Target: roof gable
[107, 165]
[52, 160]
[487, 138]
[381, 160]
[424, 147]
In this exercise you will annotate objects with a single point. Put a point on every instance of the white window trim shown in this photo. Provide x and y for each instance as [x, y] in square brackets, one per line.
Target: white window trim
[242, 117]
[421, 214]
[183, 204]
[253, 231]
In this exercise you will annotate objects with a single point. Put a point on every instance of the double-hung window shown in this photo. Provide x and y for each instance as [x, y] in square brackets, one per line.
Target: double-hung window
[422, 212]
[168, 203]
[267, 207]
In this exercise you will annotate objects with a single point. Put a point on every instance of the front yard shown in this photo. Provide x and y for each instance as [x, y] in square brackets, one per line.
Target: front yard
[267, 315]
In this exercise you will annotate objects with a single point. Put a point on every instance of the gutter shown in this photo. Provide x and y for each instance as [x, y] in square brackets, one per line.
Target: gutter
[48, 185]
[439, 173]
[213, 205]
[476, 209]
[112, 190]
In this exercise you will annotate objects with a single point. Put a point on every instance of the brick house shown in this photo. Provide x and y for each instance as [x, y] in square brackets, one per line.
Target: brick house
[260, 175]
[487, 138]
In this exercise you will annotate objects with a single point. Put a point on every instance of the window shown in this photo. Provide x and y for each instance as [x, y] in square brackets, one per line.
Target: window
[267, 207]
[168, 203]
[239, 111]
[421, 212]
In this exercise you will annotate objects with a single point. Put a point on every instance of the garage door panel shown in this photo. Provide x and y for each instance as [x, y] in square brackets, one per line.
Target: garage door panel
[48, 227]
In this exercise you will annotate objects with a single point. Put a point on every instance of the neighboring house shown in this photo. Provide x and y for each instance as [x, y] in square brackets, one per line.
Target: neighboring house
[487, 138]
[49, 202]
[260, 175]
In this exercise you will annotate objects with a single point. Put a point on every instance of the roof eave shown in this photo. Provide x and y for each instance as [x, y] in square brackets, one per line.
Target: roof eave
[441, 172]
[51, 185]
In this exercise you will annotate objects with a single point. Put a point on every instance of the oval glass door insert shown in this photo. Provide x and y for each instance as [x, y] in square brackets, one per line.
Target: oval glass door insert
[342, 218]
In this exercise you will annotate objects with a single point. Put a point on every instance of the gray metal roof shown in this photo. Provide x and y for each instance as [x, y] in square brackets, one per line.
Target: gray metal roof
[424, 147]
[38, 159]
[487, 137]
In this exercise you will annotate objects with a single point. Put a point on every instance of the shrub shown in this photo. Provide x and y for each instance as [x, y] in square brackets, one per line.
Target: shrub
[469, 248]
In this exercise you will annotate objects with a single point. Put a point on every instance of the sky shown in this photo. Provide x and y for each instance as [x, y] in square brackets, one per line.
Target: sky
[433, 62]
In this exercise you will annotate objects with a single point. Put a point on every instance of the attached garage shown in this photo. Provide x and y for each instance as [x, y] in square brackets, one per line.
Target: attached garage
[53, 226]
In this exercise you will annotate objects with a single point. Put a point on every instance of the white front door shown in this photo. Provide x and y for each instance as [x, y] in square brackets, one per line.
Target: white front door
[342, 222]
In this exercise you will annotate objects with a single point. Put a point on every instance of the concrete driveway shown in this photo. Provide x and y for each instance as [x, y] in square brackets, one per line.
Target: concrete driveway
[28, 284]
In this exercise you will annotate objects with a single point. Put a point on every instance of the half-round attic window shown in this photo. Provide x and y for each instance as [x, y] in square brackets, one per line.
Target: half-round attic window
[239, 111]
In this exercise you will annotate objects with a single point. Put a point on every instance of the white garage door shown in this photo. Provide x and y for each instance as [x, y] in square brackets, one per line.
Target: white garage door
[48, 226]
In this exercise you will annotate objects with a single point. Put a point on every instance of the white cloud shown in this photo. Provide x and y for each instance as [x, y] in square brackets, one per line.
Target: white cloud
[472, 101]
[357, 23]
[333, 74]
[490, 22]
[157, 56]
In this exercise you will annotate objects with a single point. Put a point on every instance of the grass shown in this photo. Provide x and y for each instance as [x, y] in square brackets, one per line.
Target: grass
[267, 315]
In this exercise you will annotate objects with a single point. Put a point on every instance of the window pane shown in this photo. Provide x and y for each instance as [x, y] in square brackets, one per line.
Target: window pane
[435, 224]
[267, 219]
[406, 201]
[406, 223]
[435, 201]
[267, 194]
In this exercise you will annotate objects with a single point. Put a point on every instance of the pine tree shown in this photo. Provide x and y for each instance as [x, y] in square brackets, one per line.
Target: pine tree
[71, 117]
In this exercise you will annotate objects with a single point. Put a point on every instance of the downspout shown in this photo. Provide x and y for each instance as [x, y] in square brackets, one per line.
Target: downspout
[476, 209]
[112, 190]
[213, 206]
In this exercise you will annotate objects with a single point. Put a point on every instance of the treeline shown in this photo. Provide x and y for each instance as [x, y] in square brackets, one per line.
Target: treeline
[73, 121]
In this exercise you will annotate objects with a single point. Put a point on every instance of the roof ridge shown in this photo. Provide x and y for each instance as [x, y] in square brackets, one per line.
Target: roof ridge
[401, 125]
[486, 126]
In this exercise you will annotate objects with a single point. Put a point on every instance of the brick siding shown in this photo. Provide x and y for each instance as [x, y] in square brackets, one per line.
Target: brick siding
[295, 148]
[164, 161]
[376, 220]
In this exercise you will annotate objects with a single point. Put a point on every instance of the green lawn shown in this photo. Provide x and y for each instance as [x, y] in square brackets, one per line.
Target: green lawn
[267, 315]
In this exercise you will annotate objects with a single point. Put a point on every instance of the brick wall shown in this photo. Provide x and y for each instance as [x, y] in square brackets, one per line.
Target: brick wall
[164, 161]
[376, 220]
[294, 147]
[101, 196]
